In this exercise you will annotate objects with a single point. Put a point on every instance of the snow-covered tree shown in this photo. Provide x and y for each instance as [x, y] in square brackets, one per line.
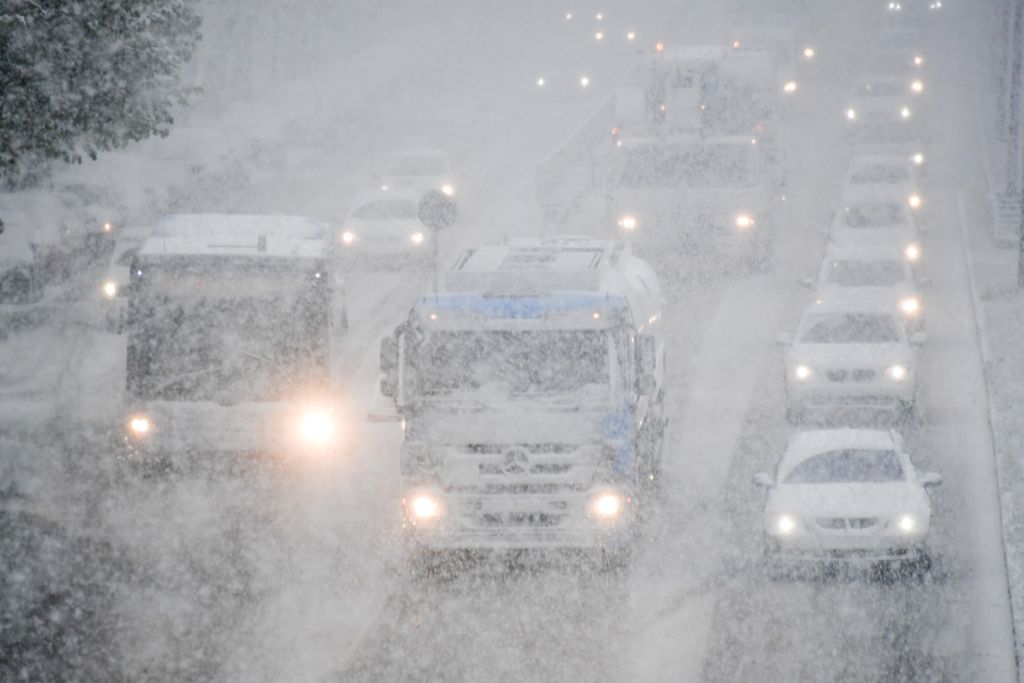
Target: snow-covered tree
[78, 77]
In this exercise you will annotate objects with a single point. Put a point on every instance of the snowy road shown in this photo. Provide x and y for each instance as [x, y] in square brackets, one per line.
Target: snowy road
[286, 572]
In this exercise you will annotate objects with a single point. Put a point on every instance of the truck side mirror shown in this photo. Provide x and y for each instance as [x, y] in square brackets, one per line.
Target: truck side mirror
[648, 363]
[389, 366]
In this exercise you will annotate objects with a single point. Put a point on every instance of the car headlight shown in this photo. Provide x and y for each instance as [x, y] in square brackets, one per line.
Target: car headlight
[108, 227]
[628, 223]
[584, 81]
[896, 372]
[802, 372]
[606, 506]
[915, 201]
[789, 87]
[905, 112]
[631, 36]
[937, 4]
[424, 506]
[139, 426]
[895, 7]
[109, 289]
[541, 82]
[912, 252]
[907, 524]
[744, 221]
[448, 190]
[918, 60]
[348, 237]
[918, 159]
[851, 114]
[317, 428]
[910, 306]
[808, 52]
[917, 87]
[417, 238]
[785, 524]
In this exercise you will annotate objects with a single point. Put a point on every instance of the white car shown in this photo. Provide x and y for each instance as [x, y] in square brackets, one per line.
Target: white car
[877, 274]
[420, 170]
[885, 173]
[384, 225]
[848, 495]
[883, 95]
[866, 220]
[850, 356]
[117, 276]
[887, 135]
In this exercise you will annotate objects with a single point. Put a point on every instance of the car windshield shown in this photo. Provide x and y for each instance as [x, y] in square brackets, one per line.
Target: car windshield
[851, 328]
[879, 174]
[848, 273]
[848, 466]
[873, 215]
[881, 89]
[387, 210]
[516, 363]
[712, 166]
[417, 166]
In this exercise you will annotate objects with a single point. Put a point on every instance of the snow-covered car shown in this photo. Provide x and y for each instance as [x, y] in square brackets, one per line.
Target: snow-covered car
[384, 226]
[877, 274]
[850, 496]
[420, 170]
[20, 280]
[892, 174]
[871, 220]
[889, 135]
[850, 356]
[884, 96]
[113, 287]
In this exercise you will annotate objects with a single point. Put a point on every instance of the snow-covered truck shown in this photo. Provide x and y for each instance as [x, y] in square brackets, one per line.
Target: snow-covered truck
[229, 325]
[531, 388]
[707, 196]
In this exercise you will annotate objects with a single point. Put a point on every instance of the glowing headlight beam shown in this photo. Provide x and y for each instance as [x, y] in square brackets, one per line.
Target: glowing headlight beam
[915, 201]
[744, 221]
[606, 505]
[417, 238]
[317, 428]
[910, 306]
[808, 53]
[897, 372]
[912, 252]
[790, 87]
[785, 524]
[907, 524]
[109, 289]
[139, 425]
[448, 190]
[628, 223]
[348, 237]
[423, 506]
[802, 372]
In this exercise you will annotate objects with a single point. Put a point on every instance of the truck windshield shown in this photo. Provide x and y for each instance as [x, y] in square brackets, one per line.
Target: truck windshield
[229, 343]
[512, 363]
[699, 167]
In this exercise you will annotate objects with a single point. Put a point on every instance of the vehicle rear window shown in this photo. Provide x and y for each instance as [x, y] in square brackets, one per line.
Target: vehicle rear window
[848, 466]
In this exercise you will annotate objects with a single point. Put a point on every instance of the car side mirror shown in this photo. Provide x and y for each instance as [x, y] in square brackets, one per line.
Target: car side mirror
[389, 366]
[763, 480]
[783, 339]
[930, 479]
[919, 339]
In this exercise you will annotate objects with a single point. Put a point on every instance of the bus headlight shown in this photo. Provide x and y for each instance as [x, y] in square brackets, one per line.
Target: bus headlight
[317, 427]
[785, 525]
[907, 524]
[109, 289]
[606, 506]
[802, 372]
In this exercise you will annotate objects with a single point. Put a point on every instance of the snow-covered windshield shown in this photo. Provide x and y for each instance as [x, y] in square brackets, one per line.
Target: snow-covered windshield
[517, 363]
[848, 466]
[850, 273]
[880, 174]
[873, 215]
[417, 166]
[851, 328]
[387, 210]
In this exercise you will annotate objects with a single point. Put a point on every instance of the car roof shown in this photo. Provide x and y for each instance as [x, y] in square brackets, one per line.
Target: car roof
[806, 444]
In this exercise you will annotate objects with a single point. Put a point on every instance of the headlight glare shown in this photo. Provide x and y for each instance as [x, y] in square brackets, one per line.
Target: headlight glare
[424, 506]
[348, 237]
[109, 289]
[915, 201]
[802, 372]
[897, 372]
[606, 506]
[417, 238]
[317, 428]
[448, 190]
[912, 252]
[139, 425]
[907, 524]
[628, 223]
[851, 114]
[910, 306]
[744, 221]
[785, 525]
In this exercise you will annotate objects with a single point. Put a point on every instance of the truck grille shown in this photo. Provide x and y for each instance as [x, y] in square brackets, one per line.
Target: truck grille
[846, 523]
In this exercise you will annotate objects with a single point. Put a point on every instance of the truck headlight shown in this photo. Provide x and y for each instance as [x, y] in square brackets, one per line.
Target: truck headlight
[424, 506]
[910, 306]
[607, 505]
[802, 373]
[629, 223]
[897, 372]
[912, 252]
[317, 428]
[109, 289]
[139, 425]
[744, 221]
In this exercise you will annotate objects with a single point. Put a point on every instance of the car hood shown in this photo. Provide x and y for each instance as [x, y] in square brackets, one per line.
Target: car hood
[849, 355]
[848, 500]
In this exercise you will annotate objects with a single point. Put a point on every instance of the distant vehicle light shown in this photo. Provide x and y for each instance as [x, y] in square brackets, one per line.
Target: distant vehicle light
[808, 53]
[628, 223]
[736, 44]
[599, 35]
[631, 36]
[910, 306]
[109, 289]
[317, 427]
[599, 16]
[448, 190]
[139, 425]
[917, 86]
[584, 81]
[912, 252]
[907, 524]
[915, 201]
[606, 505]
[918, 60]
[659, 47]
[348, 237]
[897, 372]
[417, 238]
[905, 113]
[937, 4]
[568, 16]
[540, 82]
[918, 159]
[790, 87]
[802, 372]
[785, 524]
[424, 506]
[851, 114]
[744, 220]
[108, 226]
